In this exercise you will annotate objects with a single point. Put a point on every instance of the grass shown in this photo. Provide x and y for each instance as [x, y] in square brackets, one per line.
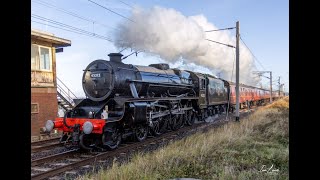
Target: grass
[244, 150]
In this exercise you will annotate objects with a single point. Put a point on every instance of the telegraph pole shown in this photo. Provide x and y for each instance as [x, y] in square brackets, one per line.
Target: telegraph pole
[237, 71]
[279, 86]
[270, 86]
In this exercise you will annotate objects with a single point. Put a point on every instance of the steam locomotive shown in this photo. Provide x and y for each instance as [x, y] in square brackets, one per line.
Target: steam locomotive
[130, 101]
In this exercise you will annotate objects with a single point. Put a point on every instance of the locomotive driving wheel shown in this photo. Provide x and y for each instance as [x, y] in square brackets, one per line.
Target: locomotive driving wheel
[155, 130]
[158, 125]
[141, 132]
[190, 117]
[177, 121]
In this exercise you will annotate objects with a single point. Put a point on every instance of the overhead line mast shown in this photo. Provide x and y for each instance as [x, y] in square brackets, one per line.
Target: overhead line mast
[237, 69]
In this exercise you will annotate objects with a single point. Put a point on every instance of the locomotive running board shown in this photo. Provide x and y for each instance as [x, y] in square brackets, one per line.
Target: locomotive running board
[161, 83]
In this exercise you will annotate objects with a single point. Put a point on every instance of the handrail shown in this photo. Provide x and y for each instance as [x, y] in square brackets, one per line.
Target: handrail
[65, 95]
[67, 88]
[65, 92]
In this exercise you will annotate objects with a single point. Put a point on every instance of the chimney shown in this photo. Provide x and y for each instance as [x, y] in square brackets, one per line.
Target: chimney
[115, 57]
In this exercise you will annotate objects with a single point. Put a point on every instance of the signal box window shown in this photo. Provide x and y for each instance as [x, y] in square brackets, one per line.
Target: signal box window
[44, 58]
[40, 58]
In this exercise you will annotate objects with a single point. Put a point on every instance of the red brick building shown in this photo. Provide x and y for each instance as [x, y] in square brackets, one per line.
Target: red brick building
[44, 104]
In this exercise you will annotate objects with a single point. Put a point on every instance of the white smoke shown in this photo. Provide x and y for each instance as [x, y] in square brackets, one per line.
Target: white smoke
[172, 36]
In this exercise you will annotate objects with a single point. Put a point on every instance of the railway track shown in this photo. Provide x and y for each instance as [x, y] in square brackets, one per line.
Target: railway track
[76, 159]
[53, 157]
[45, 147]
[37, 143]
[71, 160]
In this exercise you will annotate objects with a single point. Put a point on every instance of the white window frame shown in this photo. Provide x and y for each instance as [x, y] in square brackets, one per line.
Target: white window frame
[50, 58]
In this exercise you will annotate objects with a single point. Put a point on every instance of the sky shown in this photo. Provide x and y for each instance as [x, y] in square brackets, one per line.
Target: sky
[264, 27]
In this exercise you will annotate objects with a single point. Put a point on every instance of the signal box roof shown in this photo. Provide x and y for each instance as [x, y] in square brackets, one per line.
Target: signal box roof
[49, 37]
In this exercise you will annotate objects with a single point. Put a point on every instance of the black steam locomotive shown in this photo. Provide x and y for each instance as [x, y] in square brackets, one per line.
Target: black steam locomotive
[125, 100]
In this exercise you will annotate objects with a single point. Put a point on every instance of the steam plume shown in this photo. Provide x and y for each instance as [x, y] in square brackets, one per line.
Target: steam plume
[173, 36]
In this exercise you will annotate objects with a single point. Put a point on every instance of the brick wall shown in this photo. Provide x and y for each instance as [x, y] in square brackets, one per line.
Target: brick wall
[48, 107]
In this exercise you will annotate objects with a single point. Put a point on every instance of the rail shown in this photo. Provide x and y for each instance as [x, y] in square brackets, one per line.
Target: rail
[36, 143]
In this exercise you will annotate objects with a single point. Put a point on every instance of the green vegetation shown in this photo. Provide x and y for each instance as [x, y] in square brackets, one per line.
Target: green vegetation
[255, 148]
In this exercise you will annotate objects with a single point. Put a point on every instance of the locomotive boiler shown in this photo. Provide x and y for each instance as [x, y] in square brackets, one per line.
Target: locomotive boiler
[103, 79]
